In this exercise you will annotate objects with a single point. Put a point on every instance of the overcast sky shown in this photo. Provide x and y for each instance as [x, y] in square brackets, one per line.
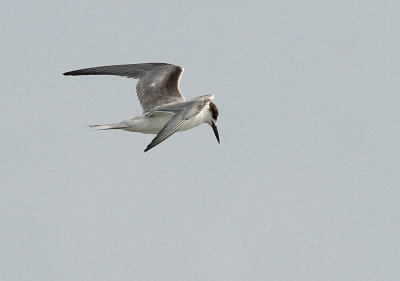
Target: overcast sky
[304, 185]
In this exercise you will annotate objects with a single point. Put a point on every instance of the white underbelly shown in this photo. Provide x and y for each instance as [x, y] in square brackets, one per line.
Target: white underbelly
[191, 124]
[151, 125]
[154, 124]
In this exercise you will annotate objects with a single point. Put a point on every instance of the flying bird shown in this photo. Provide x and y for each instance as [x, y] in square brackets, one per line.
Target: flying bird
[165, 110]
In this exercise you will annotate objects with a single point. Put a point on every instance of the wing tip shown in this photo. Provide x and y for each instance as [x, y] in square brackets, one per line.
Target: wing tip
[70, 73]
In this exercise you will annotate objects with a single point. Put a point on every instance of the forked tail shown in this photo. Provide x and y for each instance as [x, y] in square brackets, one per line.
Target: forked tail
[107, 126]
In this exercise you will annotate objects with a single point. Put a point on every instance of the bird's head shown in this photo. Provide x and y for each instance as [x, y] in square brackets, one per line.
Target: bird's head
[214, 118]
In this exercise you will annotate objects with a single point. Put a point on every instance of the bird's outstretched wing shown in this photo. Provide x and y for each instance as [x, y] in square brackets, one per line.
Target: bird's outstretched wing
[158, 82]
[183, 113]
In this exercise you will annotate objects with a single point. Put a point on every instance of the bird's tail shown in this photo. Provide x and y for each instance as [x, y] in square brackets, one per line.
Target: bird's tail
[107, 126]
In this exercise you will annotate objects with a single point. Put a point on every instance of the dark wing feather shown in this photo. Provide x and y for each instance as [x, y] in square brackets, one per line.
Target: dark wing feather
[126, 70]
[159, 87]
[158, 82]
[168, 130]
[180, 118]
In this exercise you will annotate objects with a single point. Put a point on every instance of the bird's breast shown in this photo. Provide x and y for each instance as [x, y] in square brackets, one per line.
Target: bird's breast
[195, 121]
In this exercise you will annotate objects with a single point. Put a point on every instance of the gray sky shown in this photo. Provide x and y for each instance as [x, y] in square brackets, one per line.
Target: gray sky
[305, 182]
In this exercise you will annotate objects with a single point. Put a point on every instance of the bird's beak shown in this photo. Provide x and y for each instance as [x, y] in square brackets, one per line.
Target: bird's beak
[215, 129]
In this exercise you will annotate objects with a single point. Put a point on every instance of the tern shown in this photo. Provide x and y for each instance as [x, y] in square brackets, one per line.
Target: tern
[165, 110]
